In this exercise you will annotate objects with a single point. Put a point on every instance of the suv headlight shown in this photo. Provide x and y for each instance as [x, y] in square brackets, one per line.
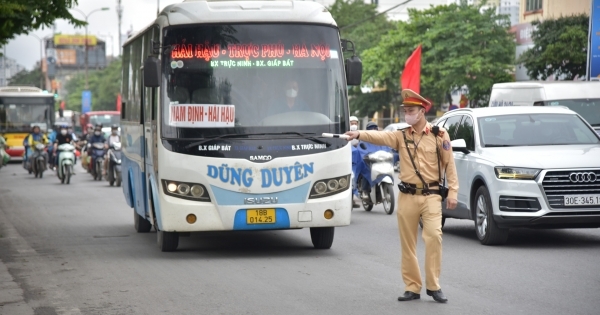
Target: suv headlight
[190, 191]
[503, 172]
[330, 186]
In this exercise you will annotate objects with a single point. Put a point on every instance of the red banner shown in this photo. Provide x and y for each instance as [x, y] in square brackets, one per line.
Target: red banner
[411, 76]
[119, 102]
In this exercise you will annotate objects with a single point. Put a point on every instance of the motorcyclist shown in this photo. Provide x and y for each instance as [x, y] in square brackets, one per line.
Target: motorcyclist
[354, 127]
[62, 138]
[35, 137]
[364, 184]
[97, 137]
[85, 140]
[51, 139]
[112, 138]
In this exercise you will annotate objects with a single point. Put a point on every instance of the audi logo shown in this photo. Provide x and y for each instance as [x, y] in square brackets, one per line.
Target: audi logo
[583, 177]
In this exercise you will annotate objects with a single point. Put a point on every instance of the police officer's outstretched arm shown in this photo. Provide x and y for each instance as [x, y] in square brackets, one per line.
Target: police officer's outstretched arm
[450, 167]
[376, 137]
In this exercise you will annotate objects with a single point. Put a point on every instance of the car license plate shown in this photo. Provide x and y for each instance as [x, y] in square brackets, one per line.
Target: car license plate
[582, 200]
[260, 216]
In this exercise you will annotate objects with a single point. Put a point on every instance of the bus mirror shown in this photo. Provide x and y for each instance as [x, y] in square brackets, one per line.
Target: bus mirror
[353, 70]
[152, 72]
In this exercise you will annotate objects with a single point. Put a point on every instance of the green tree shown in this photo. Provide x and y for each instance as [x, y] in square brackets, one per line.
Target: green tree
[358, 22]
[23, 16]
[462, 45]
[32, 78]
[104, 84]
[560, 48]
[366, 34]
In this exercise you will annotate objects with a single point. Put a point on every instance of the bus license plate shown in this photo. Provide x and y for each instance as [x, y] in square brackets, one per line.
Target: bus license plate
[260, 216]
[582, 200]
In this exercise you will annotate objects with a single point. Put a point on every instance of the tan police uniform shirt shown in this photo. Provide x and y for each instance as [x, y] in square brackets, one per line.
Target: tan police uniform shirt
[422, 148]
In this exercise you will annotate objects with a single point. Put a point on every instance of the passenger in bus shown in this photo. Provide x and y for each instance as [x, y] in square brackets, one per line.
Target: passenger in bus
[205, 96]
[288, 101]
[181, 95]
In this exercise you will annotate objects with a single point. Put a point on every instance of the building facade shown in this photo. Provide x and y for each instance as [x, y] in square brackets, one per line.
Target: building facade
[8, 68]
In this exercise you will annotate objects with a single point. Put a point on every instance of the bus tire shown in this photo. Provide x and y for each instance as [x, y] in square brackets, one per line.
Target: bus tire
[141, 224]
[322, 237]
[167, 241]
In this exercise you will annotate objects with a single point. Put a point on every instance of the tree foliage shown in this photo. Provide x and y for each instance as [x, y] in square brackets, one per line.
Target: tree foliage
[560, 48]
[358, 22]
[104, 84]
[462, 45]
[31, 78]
[23, 16]
[366, 34]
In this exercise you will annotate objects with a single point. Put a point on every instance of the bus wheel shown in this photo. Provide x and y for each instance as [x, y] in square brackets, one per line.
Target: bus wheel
[141, 224]
[167, 241]
[322, 237]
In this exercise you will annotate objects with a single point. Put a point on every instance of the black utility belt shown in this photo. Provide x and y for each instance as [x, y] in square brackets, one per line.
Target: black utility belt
[408, 188]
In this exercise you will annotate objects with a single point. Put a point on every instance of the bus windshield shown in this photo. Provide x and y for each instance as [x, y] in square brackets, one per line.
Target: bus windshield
[252, 78]
[589, 109]
[20, 114]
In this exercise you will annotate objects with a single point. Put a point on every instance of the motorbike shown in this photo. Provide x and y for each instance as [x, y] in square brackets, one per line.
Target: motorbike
[114, 164]
[97, 162]
[37, 162]
[4, 157]
[66, 160]
[373, 167]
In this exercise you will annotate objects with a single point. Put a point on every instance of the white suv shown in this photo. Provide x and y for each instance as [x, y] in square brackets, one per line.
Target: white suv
[524, 166]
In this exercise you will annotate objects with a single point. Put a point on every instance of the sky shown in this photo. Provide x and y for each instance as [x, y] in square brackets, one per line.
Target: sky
[137, 14]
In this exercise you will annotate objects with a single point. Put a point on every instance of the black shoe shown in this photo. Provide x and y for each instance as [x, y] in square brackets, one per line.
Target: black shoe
[408, 295]
[438, 296]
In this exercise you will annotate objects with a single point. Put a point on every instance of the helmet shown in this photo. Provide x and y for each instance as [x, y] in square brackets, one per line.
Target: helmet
[353, 118]
[36, 126]
[115, 126]
[63, 127]
[372, 126]
[98, 127]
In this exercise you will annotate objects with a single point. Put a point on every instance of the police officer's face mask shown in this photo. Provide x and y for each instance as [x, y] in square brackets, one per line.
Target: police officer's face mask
[412, 118]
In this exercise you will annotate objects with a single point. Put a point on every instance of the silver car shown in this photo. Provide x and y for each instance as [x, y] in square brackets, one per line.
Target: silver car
[536, 167]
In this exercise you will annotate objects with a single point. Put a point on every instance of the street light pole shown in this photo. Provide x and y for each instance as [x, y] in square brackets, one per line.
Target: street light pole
[87, 87]
[41, 62]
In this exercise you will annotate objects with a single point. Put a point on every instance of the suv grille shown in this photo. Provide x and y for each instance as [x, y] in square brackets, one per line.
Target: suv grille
[558, 184]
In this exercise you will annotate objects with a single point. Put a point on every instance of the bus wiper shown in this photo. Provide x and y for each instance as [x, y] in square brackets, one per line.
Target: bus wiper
[306, 136]
[228, 135]
[498, 145]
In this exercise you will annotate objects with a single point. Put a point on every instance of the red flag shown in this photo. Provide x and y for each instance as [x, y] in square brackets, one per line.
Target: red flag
[119, 102]
[411, 76]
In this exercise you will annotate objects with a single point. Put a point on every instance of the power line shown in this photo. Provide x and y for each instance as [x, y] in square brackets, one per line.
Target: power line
[376, 15]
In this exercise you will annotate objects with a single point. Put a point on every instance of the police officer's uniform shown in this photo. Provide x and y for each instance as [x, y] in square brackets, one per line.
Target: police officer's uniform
[417, 202]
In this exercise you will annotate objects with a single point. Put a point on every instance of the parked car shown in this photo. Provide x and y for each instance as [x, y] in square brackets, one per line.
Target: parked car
[524, 166]
[394, 127]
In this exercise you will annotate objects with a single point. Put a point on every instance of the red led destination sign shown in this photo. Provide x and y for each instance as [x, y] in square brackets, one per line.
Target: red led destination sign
[249, 51]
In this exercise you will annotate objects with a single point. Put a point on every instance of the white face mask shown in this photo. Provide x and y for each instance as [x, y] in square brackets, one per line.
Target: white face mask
[412, 119]
[291, 93]
[63, 132]
[97, 133]
[353, 127]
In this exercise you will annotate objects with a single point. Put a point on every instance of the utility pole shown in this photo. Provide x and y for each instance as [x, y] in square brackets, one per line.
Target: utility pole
[86, 40]
[119, 14]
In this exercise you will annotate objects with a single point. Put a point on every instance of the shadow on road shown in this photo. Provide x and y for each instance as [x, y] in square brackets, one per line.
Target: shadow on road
[535, 238]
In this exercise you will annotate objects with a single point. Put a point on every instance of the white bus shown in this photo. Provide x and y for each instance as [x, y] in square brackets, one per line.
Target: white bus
[224, 104]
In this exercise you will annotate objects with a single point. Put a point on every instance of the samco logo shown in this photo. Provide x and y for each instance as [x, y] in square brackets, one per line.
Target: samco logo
[268, 176]
[260, 158]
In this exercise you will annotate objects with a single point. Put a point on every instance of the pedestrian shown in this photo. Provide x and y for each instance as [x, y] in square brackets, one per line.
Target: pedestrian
[425, 154]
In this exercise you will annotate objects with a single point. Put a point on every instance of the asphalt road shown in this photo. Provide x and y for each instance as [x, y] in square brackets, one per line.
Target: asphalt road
[73, 250]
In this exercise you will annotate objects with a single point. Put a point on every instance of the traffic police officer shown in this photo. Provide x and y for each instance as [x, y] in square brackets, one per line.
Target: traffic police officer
[425, 154]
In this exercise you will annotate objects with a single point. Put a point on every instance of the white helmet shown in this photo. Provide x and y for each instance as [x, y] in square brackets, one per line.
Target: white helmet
[353, 118]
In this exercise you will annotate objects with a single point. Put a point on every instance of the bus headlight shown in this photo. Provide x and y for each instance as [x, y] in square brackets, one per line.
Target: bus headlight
[190, 191]
[328, 187]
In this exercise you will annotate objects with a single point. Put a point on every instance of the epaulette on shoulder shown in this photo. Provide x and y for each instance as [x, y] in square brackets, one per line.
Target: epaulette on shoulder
[441, 133]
